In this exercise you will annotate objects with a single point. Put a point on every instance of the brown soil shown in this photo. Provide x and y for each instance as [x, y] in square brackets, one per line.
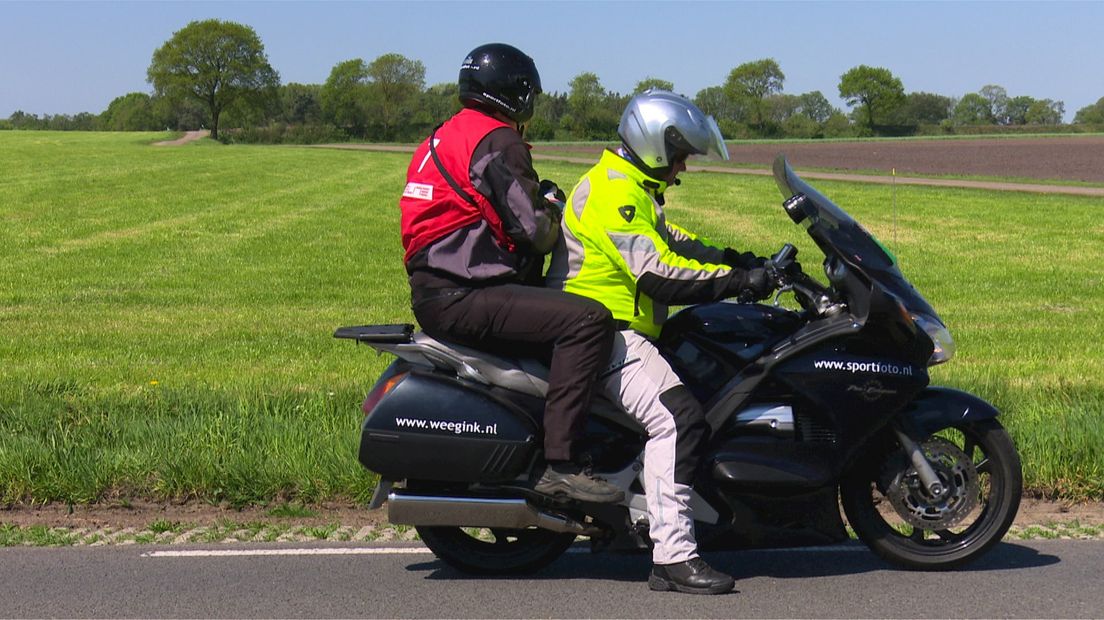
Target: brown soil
[1068, 158]
[190, 136]
[140, 515]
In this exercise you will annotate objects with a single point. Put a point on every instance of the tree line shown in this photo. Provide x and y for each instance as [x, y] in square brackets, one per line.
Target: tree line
[215, 74]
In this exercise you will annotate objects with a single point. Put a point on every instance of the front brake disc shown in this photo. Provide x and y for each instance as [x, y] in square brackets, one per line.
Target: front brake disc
[960, 480]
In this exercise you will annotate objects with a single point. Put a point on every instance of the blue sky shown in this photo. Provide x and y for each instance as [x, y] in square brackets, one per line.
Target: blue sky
[69, 57]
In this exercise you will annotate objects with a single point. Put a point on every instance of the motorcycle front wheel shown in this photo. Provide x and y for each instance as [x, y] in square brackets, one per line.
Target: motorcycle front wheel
[890, 511]
[495, 551]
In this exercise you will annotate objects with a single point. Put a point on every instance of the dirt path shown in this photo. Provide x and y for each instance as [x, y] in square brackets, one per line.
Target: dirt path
[189, 136]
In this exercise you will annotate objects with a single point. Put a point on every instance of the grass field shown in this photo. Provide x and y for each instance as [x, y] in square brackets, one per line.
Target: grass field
[166, 313]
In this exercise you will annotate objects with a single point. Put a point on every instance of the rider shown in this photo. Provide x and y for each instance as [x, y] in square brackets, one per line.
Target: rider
[475, 226]
[617, 247]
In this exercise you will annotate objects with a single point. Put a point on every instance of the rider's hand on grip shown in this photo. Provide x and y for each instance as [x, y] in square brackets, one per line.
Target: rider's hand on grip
[742, 260]
[757, 285]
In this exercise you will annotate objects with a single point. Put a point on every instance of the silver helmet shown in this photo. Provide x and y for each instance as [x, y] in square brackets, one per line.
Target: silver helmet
[658, 126]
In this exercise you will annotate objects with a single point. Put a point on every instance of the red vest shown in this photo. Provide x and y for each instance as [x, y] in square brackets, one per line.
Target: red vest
[431, 209]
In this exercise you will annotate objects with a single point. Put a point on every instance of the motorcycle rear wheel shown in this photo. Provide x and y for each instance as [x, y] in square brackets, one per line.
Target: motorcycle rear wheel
[992, 498]
[495, 551]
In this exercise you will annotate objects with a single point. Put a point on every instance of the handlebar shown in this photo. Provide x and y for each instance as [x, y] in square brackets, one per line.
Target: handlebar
[787, 275]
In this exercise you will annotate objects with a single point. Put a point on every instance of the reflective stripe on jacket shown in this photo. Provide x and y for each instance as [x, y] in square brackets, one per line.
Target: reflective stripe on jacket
[618, 248]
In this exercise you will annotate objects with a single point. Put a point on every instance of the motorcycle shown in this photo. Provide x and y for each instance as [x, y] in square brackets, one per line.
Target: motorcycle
[811, 410]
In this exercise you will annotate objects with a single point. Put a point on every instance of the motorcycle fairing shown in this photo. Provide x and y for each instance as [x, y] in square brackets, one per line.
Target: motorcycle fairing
[938, 407]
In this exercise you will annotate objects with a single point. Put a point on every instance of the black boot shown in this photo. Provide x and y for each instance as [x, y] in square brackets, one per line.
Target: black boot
[692, 577]
[576, 483]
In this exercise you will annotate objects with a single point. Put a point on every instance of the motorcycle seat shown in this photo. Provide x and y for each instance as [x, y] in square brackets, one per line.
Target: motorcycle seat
[520, 374]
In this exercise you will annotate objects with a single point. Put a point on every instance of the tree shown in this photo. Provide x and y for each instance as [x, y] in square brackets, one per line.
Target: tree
[838, 126]
[782, 106]
[215, 62]
[396, 83]
[547, 116]
[301, 104]
[1046, 112]
[1091, 114]
[972, 109]
[182, 114]
[651, 82]
[752, 83]
[715, 101]
[588, 103]
[998, 102]
[800, 126]
[131, 112]
[873, 88]
[1016, 109]
[925, 109]
[345, 95]
[815, 107]
[438, 103]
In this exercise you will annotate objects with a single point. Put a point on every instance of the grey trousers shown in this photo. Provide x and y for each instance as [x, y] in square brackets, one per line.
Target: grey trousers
[643, 384]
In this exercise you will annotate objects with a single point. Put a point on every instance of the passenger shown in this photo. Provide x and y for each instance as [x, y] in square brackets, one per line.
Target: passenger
[618, 248]
[476, 225]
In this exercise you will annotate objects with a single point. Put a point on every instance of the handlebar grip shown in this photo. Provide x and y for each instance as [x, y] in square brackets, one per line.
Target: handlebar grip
[785, 255]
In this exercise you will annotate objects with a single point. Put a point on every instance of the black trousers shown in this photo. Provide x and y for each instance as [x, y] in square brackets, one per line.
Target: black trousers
[573, 334]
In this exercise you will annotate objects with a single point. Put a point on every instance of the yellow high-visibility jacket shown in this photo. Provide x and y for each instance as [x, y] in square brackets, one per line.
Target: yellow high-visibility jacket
[618, 248]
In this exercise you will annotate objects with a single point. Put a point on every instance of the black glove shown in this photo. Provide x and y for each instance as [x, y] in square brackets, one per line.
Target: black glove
[793, 269]
[552, 192]
[756, 284]
[742, 260]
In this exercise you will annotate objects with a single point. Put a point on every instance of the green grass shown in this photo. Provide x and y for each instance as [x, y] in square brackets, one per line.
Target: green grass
[166, 313]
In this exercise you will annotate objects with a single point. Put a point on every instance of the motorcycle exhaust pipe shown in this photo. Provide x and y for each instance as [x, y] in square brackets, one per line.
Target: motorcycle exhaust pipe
[508, 513]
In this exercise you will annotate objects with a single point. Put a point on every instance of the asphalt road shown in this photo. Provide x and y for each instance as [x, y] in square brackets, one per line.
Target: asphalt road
[1032, 579]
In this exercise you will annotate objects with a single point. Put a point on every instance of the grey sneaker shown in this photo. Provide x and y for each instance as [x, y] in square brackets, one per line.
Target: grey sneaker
[576, 483]
[692, 577]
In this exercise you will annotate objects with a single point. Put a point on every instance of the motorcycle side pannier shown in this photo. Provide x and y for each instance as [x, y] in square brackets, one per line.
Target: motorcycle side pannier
[430, 427]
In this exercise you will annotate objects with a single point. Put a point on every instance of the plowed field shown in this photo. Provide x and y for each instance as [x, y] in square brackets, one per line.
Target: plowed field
[1068, 158]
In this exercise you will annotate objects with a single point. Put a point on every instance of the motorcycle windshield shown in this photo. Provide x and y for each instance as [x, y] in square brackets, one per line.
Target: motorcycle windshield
[838, 234]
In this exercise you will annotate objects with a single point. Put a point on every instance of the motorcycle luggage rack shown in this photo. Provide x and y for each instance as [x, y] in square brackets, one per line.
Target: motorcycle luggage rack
[384, 334]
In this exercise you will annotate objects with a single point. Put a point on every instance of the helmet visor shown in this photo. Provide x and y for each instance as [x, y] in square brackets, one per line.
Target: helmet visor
[716, 148]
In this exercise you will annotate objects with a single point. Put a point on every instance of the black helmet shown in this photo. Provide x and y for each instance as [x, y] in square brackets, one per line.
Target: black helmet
[500, 77]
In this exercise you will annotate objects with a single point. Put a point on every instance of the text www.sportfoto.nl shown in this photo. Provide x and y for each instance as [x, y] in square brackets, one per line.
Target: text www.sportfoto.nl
[871, 367]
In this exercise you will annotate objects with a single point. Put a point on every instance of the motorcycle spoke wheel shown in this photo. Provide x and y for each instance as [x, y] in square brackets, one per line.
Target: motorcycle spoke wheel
[495, 551]
[980, 469]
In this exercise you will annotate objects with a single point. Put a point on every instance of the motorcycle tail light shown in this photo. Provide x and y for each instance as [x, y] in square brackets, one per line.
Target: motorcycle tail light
[381, 389]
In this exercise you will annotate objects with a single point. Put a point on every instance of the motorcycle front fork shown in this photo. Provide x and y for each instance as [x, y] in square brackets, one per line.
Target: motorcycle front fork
[924, 469]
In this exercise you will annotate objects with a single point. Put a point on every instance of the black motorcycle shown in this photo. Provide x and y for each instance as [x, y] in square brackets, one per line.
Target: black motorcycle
[810, 410]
